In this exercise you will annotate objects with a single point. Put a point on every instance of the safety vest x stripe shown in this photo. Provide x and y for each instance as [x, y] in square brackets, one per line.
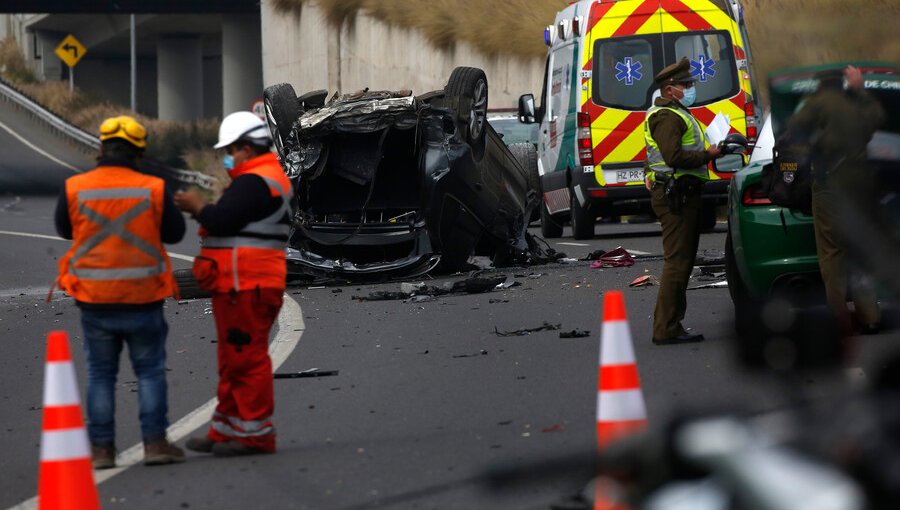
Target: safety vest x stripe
[269, 226]
[115, 227]
[693, 140]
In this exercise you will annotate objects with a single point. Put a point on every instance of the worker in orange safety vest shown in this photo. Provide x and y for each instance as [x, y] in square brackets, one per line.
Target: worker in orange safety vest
[119, 275]
[242, 262]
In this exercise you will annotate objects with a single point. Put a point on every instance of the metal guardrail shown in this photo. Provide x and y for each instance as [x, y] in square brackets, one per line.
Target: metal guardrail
[88, 141]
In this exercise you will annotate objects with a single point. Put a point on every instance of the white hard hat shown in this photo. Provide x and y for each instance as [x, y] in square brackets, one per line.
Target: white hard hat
[243, 126]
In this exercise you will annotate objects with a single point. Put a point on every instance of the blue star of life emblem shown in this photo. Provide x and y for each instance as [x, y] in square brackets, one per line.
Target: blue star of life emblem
[629, 71]
[703, 68]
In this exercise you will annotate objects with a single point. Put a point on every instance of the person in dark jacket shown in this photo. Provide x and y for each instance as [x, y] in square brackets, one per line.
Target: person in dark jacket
[840, 119]
[119, 275]
[676, 169]
[242, 262]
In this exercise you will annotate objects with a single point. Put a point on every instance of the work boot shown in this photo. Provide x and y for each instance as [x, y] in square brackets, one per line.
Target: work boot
[103, 456]
[200, 444]
[161, 452]
[234, 449]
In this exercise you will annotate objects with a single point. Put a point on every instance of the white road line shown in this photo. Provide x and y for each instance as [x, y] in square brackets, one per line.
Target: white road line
[572, 244]
[38, 149]
[290, 328]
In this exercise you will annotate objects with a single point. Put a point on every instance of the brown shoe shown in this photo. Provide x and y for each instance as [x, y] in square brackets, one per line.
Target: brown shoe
[234, 449]
[161, 452]
[103, 457]
[200, 444]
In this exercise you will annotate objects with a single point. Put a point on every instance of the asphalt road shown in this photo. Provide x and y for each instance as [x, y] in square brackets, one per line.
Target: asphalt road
[427, 396]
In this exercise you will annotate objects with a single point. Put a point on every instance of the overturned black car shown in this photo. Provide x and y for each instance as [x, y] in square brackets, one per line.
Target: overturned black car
[387, 183]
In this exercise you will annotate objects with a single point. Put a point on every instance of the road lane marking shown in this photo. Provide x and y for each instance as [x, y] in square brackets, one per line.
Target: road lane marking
[290, 328]
[38, 149]
[572, 244]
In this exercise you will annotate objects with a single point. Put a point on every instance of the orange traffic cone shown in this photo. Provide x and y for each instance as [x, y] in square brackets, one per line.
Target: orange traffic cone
[66, 477]
[620, 401]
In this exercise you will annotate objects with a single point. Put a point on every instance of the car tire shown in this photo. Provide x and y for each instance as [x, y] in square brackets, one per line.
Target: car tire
[740, 296]
[582, 220]
[526, 155]
[282, 110]
[188, 288]
[467, 93]
[551, 228]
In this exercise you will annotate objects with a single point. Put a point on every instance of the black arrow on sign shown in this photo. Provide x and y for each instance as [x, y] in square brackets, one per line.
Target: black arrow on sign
[73, 49]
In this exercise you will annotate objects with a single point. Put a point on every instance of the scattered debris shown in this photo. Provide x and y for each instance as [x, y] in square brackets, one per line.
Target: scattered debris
[711, 257]
[311, 372]
[553, 428]
[522, 332]
[575, 333]
[716, 285]
[493, 301]
[594, 255]
[618, 257]
[475, 285]
[641, 281]
[482, 352]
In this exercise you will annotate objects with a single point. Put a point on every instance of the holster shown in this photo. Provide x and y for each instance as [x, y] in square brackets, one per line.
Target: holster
[679, 190]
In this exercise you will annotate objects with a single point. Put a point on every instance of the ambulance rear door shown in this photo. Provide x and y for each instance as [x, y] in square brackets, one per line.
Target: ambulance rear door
[625, 53]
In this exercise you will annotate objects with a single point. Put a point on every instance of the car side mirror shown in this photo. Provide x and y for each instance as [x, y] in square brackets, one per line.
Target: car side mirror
[526, 109]
[733, 147]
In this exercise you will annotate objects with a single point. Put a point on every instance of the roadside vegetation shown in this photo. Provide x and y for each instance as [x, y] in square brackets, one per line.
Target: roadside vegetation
[782, 32]
[179, 144]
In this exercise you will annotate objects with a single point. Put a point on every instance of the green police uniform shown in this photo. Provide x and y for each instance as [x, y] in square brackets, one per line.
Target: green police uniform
[843, 123]
[676, 149]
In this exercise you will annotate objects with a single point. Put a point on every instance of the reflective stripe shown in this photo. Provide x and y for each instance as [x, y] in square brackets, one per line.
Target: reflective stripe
[271, 224]
[615, 347]
[106, 193]
[116, 227]
[245, 425]
[693, 140]
[254, 429]
[60, 388]
[67, 444]
[620, 405]
[119, 274]
[243, 242]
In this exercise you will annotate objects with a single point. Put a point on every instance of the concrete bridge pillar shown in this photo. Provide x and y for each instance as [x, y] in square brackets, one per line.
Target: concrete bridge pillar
[241, 62]
[179, 77]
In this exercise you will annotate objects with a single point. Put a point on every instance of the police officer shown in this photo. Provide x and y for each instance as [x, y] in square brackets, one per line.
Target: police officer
[676, 169]
[840, 119]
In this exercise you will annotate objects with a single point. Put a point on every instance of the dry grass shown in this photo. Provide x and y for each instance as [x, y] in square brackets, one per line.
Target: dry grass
[782, 32]
[168, 141]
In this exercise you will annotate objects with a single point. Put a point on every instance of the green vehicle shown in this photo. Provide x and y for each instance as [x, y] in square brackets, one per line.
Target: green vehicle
[770, 250]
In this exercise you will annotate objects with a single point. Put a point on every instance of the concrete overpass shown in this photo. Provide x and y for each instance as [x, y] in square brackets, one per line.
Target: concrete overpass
[194, 59]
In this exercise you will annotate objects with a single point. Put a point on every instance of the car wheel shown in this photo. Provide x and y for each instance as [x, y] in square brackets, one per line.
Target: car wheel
[188, 288]
[582, 220]
[282, 110]
[526, 154]
[740, 296]
[551, 228]
[467, 92]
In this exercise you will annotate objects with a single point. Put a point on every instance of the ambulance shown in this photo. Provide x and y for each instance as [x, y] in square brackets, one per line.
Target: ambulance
[598, 85]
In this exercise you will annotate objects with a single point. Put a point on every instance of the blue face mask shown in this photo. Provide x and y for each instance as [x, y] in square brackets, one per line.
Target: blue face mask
[228, 162]
[690, 95]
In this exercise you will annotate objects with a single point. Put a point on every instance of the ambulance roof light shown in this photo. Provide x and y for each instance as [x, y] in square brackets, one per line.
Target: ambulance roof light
[549, 35]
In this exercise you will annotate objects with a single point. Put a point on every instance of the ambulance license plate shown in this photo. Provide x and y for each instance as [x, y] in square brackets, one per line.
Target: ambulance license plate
[629, 176]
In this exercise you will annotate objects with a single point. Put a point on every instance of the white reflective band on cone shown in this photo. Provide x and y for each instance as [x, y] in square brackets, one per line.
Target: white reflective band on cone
[60, 388]
[615, 347]
[621, 405]
[65, 444]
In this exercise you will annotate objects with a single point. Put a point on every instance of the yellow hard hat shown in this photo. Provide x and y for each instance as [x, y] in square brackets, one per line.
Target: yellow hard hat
[126, 128]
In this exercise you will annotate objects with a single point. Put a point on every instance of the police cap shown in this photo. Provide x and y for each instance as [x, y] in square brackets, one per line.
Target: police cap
[675, 73]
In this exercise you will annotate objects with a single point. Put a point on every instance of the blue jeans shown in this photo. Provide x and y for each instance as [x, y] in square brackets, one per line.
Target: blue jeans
[145, 333]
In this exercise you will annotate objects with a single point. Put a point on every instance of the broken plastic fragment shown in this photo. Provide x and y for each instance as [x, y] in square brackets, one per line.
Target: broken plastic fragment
[522, 332]
[641, 281]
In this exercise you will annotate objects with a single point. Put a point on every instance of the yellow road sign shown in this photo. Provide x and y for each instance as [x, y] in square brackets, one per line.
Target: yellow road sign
[70, 50]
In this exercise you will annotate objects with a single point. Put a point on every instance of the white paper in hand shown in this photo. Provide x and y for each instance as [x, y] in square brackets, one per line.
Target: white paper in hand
[718, 129]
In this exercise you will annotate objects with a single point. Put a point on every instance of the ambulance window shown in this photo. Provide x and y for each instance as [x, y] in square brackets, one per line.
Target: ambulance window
[623, 72]
[712, 63]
